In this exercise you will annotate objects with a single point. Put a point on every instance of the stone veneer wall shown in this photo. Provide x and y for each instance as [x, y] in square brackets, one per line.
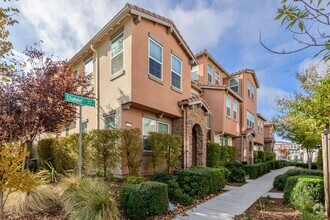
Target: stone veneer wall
[245, 154]
[269, 147]
[195, 115]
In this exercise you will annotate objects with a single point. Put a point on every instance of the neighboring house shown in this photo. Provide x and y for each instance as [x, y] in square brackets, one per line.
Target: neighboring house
[145, 76]
[292, 152]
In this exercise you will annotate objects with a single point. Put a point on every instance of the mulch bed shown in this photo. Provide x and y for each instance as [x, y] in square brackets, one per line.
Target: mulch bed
[54, 213]
[273, 209]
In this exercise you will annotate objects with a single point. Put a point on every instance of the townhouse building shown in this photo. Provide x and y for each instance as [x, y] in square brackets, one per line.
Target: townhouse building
[144, 75]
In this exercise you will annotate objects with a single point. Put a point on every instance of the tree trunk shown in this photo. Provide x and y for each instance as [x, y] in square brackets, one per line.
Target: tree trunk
[309, 159]
[2, 217]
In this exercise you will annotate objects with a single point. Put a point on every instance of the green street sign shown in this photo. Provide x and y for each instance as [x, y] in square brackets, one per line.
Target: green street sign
[79, 100]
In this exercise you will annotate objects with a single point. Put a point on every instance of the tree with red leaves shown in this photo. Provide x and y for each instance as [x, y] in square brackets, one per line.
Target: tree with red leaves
[32, 102]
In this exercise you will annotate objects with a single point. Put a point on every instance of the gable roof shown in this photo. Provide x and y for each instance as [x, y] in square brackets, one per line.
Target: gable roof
[195, 100]
[139, 13]
[247, 132]
[218, 87]
[261, 116]
[248, 71]
[207, 53]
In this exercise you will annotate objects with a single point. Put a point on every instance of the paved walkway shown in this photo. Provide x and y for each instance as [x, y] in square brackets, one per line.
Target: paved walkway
[234, 202]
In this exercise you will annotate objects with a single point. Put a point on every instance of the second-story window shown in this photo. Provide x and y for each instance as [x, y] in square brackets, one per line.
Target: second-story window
[249, 89]
[228, 106]
[194, 73]
[89, 66]
[233, 84]
[117, 54]
[217, 78]
[155, 59]
[260, 126]
[176, 72]
[209, 73]
[250, 120]
[89, 72]
[235, 111]
[252, 92]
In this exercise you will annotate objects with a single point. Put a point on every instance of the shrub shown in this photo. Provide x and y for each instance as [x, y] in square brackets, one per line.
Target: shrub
[174, 190]
[280, 181]
[37, 200]
[158, 146]
[88, 199]
[255, 170]
[255, 156]
[217, 155]
[45, 149]
[262, 156]
[131, 149]
[145, 199]
[235, 164]
[212, 154]
[237, 175]
[270, 156]
[200, 182]
[134, 179]
[174, 151]
[307, 192]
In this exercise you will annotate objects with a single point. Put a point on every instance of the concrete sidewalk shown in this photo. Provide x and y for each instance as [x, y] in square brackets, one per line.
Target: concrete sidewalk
[234, 202]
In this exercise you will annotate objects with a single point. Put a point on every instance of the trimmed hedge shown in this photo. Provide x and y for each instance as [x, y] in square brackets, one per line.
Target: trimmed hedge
[146, 199]
[237, 175]
[174, 191]
[255, 170]
[263, 156]
[200, 182]
[306, 193]
[280, 181]
[217, 155]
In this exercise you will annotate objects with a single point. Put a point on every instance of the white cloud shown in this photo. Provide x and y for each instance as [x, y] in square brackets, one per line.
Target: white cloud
[65, 26]
[321, 65]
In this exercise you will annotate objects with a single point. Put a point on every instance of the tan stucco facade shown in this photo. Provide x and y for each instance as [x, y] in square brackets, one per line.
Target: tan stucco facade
[197, 111]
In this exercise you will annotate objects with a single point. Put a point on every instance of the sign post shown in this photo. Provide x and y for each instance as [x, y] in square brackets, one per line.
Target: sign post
[80, 101]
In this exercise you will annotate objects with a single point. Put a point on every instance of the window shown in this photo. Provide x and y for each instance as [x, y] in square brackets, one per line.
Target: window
[228, 105]
[194, 73]
[252, 92]
[151, 125]
[89, 66]
[260, 126]
[233, 84]
[84, 126]
[89, 71]
[250, 120]
[209, 73]
[67, 131]
[117, 54]
[155, 59]
[224, 141]
[235, 111]
[217, 78]
[162, 128]
[110, 122]
[249, 89]
[176, 72]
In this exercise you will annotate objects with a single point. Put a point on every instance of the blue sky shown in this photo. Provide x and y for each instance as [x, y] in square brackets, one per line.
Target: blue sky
[228, 29]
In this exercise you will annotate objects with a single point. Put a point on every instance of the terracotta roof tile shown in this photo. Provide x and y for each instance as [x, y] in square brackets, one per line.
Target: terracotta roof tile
[248, 131]
[196, 99]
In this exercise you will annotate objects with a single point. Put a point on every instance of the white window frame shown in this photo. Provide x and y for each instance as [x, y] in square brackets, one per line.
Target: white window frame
[237, 80]
[114, 56]
[89, 59]
[249, 89]
[161, 64]
[175, 57]
[209, 73]
[228, 98]
[109, 116]
[250, 123]
[235, 107]
[217, 78]
[156, 130]
[86, 126]
[252, 92]
[193, 70]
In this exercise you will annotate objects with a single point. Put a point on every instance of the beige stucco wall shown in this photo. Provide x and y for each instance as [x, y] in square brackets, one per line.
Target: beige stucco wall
[203, 61]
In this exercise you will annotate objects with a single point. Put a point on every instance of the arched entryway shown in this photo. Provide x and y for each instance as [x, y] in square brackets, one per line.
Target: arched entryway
[197, 145]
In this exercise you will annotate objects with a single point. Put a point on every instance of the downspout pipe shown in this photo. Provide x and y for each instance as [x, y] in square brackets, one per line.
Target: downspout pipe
[97, 86]
[185, 152]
